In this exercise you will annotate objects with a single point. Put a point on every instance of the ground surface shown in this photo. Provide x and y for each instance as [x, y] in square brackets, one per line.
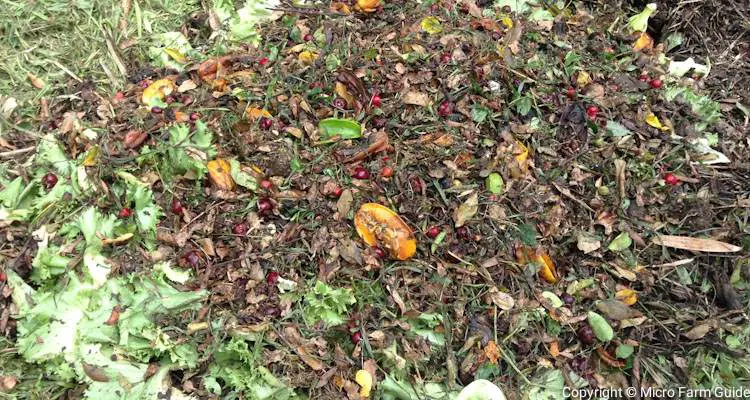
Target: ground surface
[574, 224]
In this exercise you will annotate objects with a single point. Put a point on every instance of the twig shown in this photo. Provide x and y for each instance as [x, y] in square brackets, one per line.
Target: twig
[12, 153]
[304, 11]
[565, 192]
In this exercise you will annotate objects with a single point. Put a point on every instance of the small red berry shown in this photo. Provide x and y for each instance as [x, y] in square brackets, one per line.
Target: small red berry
[194, 116]
[239, 228]
[272, 278]
[177, 206]
[119, 96]
[49, 180]
[338, 102]
[433, 232]
[337, 191]
[671, 179]
[266, 123]
[266, 184]
[361, 173]
[124, 213]
[3, 277]
[380, 253]
[592, 111]
[655, 83]
[446, 58]
[156, 110]
[416, 184]
[445, 109]
[375, 101]
[308, 37]
[356, 337]
[191, 258]
[462, 232]
[263, 61]
[386, 172]
[571, 92]
[265, 205]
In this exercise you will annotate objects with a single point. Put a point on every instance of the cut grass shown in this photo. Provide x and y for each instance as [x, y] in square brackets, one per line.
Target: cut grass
[62, 42]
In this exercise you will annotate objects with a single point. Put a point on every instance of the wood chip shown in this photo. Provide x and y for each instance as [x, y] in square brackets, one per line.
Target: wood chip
[695, 244]
[416, 98]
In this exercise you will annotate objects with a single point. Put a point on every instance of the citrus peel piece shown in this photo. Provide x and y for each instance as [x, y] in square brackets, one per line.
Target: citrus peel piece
[379, 226]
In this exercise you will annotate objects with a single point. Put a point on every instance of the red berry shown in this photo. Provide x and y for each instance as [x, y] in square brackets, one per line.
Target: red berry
[265, 205]
[671, 179]
[272, 278]
[337, 191]
[239, 228]
[592, 111]
[446, 58]
[49, 180]
[361, 173]
[308, 37]
[119, 96]
[571, 92]
[386, 172]
[266, 184]
[194, 116]
[3, 277]
[586, 334]
[263, 61]
[380, 253]
[433, 232]
[356, 337]
[445, 109]
[124, 213]
[462, 232]
[266, 123]
[655, 83]
[177, 206]
[416, 184]
[375, 101]
[156, 110]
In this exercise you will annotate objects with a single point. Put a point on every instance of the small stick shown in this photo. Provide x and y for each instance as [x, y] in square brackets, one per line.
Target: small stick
[12, 153]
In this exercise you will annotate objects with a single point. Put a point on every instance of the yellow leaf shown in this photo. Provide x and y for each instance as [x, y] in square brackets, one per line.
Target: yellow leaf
[653, 120]
[92, 156]
[507, 21]
[219, 174]
[644, 42]
[583, 79]
[627, 296]
[431, 25]
[176, 55]
[118, 240]
[157, 91]
[343, 92]
[364, 379]
[368, 5]
[341, 7]
[307, 57]
[254, 113]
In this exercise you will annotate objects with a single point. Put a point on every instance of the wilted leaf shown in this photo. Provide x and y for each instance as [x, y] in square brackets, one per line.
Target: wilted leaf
[494, 183]
[616, 129]
[156, 92]
[503, 300]
[307, 57]
[627, 296]
[467, 210]
[553, 299]
[416, 98]
[617, 310]
[219, 172]
[368, 6]
[680, 68]
[431, 25]
[639, 22]
[254, 113]
[377, 225]
[588, 242]
[621, 242]
[539, 257]
[601, 327]
[698, 332]
[364, 380]
[644, 42]
[695, 244]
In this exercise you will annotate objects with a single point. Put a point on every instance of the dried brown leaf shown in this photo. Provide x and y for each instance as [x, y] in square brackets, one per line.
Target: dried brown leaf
[695, 244]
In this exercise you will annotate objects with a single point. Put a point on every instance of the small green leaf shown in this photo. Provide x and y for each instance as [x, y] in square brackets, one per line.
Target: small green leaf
[553, 299]
[624, 351]
[621, 242]
[479, 114]
[494, 183]
[438, 241]
[616, 129]
[342, 128]
[527, 234]
[601, 327]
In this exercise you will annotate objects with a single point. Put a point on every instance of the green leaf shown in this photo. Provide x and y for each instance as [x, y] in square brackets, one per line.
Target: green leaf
[639, 22]
[342, 128]
[527, 234]
[494, 183]
[479, 113]
[241, 177]
[621, 242]
[323, 303]
[11, 194]
[553, 299]
[49, 153]
[624, 351]
[431, 25]
[601, 327]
